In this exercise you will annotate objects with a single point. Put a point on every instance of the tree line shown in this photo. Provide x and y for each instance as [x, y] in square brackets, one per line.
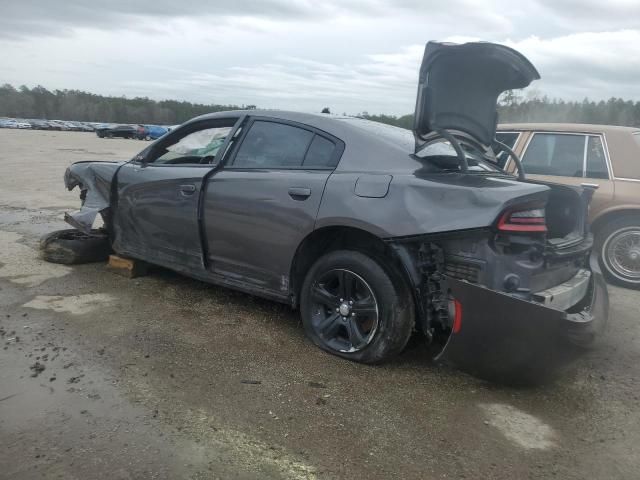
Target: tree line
[38, 102]
[512, 109]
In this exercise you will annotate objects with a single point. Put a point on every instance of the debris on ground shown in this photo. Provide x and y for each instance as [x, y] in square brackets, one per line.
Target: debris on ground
[37, 368]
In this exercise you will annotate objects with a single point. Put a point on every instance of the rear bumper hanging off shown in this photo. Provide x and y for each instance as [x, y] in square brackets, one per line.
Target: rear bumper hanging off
[505, 338]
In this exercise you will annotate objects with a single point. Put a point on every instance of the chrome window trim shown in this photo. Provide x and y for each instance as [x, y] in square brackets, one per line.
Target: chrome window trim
[605, 147]
[624, 179]
[585, 151]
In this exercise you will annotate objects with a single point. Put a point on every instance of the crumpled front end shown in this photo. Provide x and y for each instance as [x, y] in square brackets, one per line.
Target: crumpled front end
[94, 180]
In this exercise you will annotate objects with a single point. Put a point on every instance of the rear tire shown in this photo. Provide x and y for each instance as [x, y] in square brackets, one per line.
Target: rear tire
[618, 247]
[346, 282]
[72, 247]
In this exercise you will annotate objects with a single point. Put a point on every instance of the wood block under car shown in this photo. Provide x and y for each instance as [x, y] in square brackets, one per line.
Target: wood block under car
[127, 267]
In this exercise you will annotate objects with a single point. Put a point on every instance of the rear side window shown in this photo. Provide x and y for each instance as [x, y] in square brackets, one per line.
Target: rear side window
[555, 154]
[273, 145]
[509, 139]
[596, 162]
[321, 153]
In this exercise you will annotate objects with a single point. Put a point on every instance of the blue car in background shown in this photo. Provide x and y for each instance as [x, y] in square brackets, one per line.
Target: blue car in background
[151, 132]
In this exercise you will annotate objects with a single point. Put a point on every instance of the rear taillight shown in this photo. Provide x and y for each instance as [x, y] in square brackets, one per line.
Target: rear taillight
[455, 314]
[523, 220]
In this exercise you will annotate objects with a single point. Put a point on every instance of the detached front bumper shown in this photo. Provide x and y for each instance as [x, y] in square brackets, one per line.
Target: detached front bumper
[505, 338]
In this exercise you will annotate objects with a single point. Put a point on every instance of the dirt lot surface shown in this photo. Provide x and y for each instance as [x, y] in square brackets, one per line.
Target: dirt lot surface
[166, 377]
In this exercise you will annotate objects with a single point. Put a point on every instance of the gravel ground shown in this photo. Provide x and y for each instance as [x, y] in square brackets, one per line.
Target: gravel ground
[167, 377]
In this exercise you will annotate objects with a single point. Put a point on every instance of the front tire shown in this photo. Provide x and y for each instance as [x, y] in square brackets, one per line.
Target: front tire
[72, 247]
[618, 244]
[356, 307]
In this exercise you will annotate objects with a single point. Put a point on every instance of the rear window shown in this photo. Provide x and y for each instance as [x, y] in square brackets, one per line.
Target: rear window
[442, 154]
[509, 139]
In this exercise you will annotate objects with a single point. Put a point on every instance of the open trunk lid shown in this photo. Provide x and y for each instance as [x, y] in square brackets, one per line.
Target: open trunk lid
[459, 86]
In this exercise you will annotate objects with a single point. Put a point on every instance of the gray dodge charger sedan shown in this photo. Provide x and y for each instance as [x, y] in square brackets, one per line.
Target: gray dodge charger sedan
[371, 231]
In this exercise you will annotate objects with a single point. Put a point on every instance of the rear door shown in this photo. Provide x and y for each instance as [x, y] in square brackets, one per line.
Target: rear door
[156, 212]
[263, 203]
[572, 159]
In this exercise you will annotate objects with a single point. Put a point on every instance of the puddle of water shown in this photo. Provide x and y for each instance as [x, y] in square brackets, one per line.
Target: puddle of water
[521, 428]
[21, 264]
[74, 304]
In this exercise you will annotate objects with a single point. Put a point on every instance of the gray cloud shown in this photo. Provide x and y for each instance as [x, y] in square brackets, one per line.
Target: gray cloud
[351, 55]
[43, 18]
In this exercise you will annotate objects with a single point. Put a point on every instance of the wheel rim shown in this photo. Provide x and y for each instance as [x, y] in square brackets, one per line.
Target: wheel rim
[344, 310]
[622, 251]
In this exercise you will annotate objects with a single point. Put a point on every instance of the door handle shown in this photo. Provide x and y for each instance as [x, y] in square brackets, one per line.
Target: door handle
[187, 189]
[299, 193]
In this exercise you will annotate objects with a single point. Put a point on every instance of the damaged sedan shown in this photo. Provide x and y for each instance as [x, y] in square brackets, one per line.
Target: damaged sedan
[372, 232]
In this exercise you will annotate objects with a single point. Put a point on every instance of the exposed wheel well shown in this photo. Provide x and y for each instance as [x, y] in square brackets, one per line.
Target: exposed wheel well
[329, 239]
[602, 220]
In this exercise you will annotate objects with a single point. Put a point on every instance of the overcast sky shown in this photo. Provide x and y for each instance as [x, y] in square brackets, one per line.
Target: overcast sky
[350, 55]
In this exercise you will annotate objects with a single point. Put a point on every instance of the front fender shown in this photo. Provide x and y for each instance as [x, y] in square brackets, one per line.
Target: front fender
[94, 180]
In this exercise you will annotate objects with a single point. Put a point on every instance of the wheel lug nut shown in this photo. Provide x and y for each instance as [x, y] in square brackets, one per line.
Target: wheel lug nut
[350, 302]
[337, 309]
[342, 299]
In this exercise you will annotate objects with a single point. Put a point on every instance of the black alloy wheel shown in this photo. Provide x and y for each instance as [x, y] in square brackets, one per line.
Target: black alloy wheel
[345, 310]
[356, 307]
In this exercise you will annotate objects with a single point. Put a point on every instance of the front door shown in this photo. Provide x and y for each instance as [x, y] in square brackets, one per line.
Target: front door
[156, 212]
[264, 202]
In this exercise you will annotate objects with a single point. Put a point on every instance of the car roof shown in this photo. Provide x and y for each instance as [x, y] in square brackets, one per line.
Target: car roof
[369, 146]
[345, 127]
[566, 127]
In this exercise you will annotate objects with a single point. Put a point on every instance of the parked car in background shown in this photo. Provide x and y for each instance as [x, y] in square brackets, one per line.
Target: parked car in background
[39, 124]
[151, 132]
[22, 124]
[58, 125]
[80, 126]
[604, 156]
[8, 123]
[117, 131]
[370, 231]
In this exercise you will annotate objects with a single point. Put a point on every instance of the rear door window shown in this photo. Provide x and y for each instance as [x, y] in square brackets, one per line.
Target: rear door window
[555, 154]
[273, 145]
